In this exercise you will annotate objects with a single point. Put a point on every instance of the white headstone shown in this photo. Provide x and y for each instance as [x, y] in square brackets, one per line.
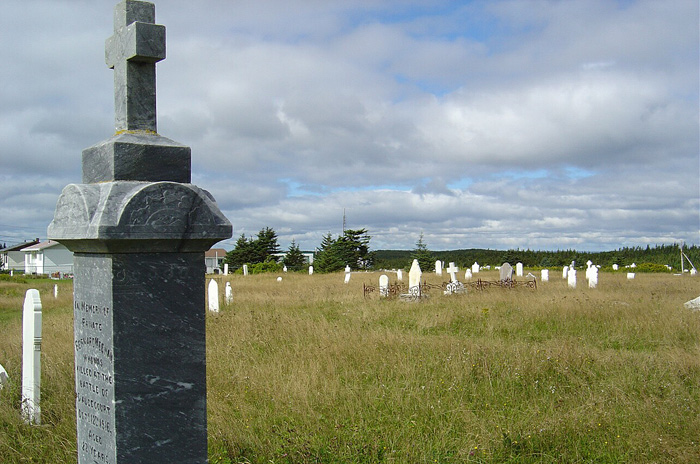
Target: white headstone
[347, 269]
[468, 274]
[213, 296]
[475, 268]
[615, 267]
[633, 265]
[505, 272]
[245, 269]
[383, 285]
[4, 378]
[414, 275]
[544, 275]
[12, 272]
[438, 267]
[31, 357]
[693, 304]
[592, 274]
[565, 272]
[572, 278]
[311, 270]
[589, 263]
[399, 275]
[693, 271]
[55, 290]
[452, 271]
[279, 279]
[630, 275]
[228, 294]
[226, 269]
[347, 277]
[519, 269]
[284, 269]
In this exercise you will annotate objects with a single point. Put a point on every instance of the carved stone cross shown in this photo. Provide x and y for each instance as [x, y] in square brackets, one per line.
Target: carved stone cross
[133, 51]
[452, 270]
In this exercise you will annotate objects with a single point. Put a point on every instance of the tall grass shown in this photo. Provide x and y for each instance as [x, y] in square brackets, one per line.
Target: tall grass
[308, 371]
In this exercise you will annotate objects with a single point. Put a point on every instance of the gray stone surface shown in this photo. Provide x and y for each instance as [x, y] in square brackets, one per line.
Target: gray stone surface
[693, 304]
[133, 51]
[140, 157]
[140, 357]
[506, 272]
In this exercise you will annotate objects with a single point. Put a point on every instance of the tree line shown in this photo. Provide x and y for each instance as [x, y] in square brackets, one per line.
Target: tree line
[352, 248]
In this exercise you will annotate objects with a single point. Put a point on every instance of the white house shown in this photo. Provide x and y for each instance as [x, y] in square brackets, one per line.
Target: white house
[12, 257]
[214, 260]
[47, 258]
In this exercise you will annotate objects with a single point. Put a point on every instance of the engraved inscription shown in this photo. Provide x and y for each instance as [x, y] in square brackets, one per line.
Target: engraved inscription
[94, 380]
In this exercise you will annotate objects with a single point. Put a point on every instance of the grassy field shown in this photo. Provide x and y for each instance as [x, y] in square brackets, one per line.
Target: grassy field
[308, 371]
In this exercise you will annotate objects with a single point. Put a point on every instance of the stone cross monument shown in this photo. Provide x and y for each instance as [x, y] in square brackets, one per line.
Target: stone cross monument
[139, 230]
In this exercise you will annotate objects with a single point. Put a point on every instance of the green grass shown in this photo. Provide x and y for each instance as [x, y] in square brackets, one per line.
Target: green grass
[308, 371]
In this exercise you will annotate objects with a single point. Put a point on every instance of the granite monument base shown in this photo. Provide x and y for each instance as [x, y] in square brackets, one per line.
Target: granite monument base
[140, 357]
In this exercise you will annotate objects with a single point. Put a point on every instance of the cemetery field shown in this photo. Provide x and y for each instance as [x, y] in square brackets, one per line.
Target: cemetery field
[307, 370]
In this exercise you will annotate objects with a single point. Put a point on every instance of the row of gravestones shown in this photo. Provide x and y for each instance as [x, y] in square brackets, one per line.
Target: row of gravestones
[284, 269]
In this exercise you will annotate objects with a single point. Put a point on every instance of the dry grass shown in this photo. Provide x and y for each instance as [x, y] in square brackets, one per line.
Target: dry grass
[307, 370]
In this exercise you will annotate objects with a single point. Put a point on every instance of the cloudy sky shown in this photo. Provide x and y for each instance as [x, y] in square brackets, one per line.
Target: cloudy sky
[498, 124]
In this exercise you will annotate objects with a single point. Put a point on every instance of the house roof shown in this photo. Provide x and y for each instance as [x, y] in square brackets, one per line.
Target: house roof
[41, 246]
[19, 246]
[214, 252]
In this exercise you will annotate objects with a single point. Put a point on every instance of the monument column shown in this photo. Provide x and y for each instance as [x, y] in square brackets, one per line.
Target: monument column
[139, 230]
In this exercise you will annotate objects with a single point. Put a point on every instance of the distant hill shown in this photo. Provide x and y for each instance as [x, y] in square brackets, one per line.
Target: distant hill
[660, 254]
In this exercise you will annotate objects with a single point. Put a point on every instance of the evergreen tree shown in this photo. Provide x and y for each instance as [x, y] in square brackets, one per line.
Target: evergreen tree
[327, 258]
[425, 257]
[294, 259]
[265, 246]
[241, 254]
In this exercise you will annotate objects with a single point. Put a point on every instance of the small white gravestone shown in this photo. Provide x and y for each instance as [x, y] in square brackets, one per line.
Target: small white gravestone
[414, 276]
[225, 269]
[399, 275]
[693, 271]
[31, 357]
[383, 285]
[572, 265]
[630, 275]
[519, 269]
[589, 263]
[438, 267]
[633, 265]
[452, 271]
[55, 291]
[347, 277]
[572, 278]
[505, 273]
[468, 274]
[228, 298]
[213, 296]
[544, 275]
[693, 305]
[284, 269]
[12, 272]
[279, 279]
[347, 269]
[475, 268]
[592, 274]
[615, 267]
[5, 379]
[245, 269]
[565, 272]
[311, 270]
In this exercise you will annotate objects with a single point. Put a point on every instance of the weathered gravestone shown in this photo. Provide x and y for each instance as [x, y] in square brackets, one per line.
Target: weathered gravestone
[55, 291]
[311, 270]
[245, 269]
[399, 275]
[475, 268]
[571, 278]
[506, 272]
[468, 274]
[544, 275]
[438, 267]
[452, 271]
[4, 378]
[225, 269]
[519, 269]
[31, 357]
[454, 286]
[630, 275]
[565, 272]
[592, 275]
[228, 295]
[139, 229]
[383, 285]
[347, 277]
[213, 296]
[615, 267]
